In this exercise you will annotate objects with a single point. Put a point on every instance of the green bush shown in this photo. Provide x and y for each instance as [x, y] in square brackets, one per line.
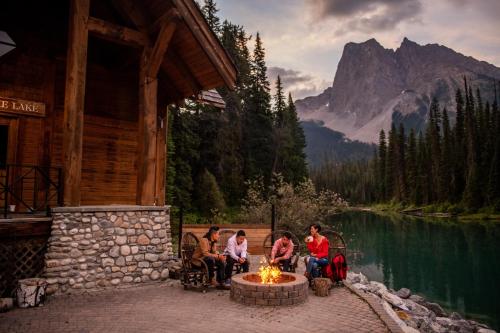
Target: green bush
[209, 195]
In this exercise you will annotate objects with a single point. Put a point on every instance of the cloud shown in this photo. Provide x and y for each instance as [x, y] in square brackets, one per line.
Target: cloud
[300, 85]
[366, 15]
[489, 8]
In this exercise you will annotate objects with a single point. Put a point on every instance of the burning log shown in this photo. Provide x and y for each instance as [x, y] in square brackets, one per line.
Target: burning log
[269, 274]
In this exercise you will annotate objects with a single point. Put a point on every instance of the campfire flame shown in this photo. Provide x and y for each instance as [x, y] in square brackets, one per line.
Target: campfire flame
[268, 274]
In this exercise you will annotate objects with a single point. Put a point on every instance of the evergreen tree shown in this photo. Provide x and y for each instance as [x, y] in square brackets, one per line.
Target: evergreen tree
[494, 172]
[424, 183]
[391, 166]
[434, 140]
[382, 162]
[279, 105]
[445, 162]
[258, 123]
[186, 140]
[210, 10]
[458, 180]
[297, 163]
[411, 164]
[472, 195]
[208, 194]
[401, 164]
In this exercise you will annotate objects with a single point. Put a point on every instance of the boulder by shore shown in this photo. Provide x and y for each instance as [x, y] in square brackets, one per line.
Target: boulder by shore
[414, 313]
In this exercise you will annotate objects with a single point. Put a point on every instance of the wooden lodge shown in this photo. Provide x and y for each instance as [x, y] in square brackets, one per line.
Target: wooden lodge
[87, 87]
[84, 95]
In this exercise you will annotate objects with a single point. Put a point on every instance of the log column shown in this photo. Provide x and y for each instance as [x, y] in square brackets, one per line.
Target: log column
[161, 153]
[146, 162]
[76, 66]
[151, 150]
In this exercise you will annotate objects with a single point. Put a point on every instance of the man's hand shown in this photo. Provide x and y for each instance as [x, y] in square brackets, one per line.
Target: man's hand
[241, 260]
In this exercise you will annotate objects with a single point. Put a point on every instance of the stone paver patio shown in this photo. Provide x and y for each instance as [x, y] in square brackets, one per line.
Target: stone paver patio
[166, 307]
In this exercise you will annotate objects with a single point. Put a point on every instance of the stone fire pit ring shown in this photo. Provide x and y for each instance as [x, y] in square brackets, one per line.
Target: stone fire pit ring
[294, 290]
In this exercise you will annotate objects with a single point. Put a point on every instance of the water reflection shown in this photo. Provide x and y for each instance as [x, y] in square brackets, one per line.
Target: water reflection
[454, 264]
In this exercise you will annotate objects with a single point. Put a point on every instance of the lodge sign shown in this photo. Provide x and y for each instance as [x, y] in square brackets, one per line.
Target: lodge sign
[19, 106]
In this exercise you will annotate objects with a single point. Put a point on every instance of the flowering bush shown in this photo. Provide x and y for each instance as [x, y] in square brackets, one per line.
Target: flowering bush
[296, 207]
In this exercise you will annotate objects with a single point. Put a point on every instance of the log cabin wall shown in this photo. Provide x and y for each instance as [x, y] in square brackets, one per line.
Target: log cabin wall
[110, 123]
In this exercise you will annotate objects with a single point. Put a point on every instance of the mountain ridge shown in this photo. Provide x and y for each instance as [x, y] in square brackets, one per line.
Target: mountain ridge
[375, 86]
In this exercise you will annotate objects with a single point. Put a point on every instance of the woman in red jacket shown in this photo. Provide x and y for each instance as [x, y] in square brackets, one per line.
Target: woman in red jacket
[318, 247]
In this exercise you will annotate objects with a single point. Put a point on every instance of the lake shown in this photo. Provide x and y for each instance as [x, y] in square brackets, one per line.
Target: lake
[456, 264]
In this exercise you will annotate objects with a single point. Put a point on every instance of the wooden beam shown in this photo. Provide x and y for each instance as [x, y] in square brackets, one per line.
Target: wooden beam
[146, 154]
[171, 15]
[76, 66]
[116, 33]
[184, 70]
[133, 12]
[207, 40]
[160, 47]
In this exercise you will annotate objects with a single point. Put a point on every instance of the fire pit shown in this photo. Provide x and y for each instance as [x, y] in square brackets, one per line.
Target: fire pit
[269, 287]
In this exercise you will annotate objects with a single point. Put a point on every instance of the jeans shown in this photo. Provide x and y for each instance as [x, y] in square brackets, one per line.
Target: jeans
[230, 264]
[314, 264]
[285, 264]
[215, 265]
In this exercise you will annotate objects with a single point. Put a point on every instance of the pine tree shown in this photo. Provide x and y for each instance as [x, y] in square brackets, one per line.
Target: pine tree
[434, 140]
[401, 164]
[424, 183]
[258, 141]
[472, 195]
[382, 162]
[445, 167]
[298, 162]
[411, 165]
[279, 105]
[493, 187]
[186, 140]
[391, 166]
[210, 11]
[458, 180]
[209, 195]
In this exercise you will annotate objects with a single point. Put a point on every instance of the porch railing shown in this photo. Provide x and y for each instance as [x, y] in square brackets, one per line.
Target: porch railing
[29, 189]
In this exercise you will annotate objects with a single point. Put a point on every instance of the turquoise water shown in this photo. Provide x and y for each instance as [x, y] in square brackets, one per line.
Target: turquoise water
[452, 263]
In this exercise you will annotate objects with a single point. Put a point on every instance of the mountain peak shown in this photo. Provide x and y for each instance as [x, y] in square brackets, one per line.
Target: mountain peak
[408, 43]
[372, 42]
[366, 94]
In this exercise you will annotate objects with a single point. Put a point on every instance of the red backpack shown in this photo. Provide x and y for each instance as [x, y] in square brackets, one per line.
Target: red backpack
[339, 267]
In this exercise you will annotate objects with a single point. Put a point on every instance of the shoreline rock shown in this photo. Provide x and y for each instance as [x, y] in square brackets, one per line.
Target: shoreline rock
[414, 313]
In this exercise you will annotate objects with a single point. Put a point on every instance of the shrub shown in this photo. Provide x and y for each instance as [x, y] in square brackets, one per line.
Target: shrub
[296, 207]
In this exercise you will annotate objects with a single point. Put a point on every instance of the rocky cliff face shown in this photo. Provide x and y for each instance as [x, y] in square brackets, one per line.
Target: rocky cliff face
[374, 86]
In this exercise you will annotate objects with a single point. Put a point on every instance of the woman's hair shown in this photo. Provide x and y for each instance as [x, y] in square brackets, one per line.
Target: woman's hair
[213, 229]
[316, 226]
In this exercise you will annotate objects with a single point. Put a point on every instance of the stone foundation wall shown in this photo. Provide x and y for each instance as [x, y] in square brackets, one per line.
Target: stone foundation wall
[97, 247]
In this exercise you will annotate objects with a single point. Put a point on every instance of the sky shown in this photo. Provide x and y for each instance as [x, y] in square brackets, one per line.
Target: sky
[304, 39]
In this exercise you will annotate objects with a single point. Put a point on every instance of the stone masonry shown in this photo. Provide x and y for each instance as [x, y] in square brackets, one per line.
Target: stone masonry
[253, 293]
[96, 247]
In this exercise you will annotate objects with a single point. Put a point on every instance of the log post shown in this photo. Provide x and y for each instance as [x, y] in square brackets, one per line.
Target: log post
[152, 139]
[161, 154]
[76, 66]
[146, 162]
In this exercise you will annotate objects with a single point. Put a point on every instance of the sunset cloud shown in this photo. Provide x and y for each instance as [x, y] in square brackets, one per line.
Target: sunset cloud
[305, 38]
